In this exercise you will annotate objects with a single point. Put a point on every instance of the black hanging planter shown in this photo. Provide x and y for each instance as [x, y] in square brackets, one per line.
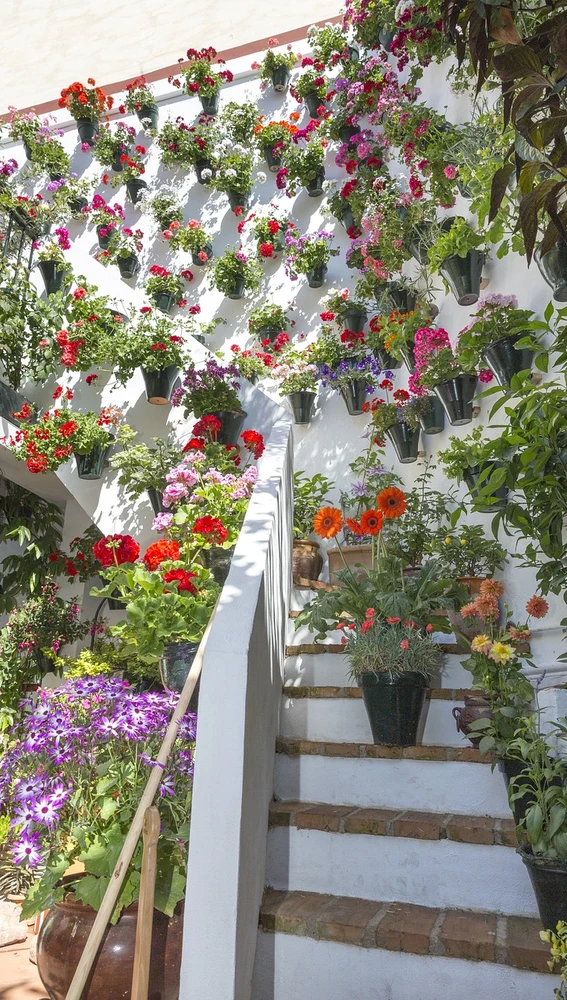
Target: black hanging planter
[346, 132]
[239, 199]
[103, 240]
[354, 319]
[159, 384]
[269, 333]
[232, 422]
[505, 361]
[463, 275]
[313, 102]
[117, 164]
[174, 666]
[386, 38]
[87, 130]
[134, 187]
[218, 560]
[201, 165]
[156, 500]
[11, 401]
[400, 298]
[28, 151]
[237, 289]
[302, 403]
[347, 218]
[405, 441]
[553, 267]
[53, 274]
[148, 115]
[316, 276]
[91, 466]
[206, 249]
[210, 105]
[471, 478]
[433, 422]
[408, 356]
[280, 78]
[354, 395]
[549, 882]
[112, 603]
[128, 266]
[387, 361]
[315, 186]
[456, 395]
[164, 301]
[77, 204]
[394, 703]
[353, 53]
[274, 160]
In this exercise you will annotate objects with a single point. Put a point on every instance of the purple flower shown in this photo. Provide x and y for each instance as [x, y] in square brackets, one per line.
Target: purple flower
[26, 851]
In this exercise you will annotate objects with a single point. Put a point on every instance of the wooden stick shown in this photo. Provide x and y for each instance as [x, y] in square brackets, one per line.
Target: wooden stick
[144, 924]
[119, 874]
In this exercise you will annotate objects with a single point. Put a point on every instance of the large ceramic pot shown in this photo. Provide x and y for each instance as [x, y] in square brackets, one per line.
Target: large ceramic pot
[354, 318]
[314, 102]
[456, 395]
[210, 105]
[175, 664]
[148, 115]
[505, 361]
[405, 441]
[91, 465]
[302, 403]
[238, 289]
[477, 706]
[64, 934]
[314, 187]
[307, 560]
[159, 384]
[87, 130]
[134, 187]
[354, 395]
[394, 703]
[53, 274]
[280, 78]
[231, 425]
[316, 277]
[471, 477]
[201, 165]
[553, 267]
[164, 301]
[239, 199]
[463, 275]
[433, 422]
[549, 882]
[128, 266]
[218, 561]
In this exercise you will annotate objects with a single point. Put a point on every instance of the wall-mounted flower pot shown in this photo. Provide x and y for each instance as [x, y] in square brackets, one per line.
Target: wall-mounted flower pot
[387, 361]
[201, 165]
[53, 274]
[433, 422]
[405, 441]
[386, 38]
[314, 102]
[232, 422]
[210, 105]
[156, 500]
[302, 403]
[239, 199]
[117, 164]
[77, 204]
[354, 395]
[128, 266]
[237, 289]
[218, 560]
[394, 704]
[87, 130]
[408, 355]
[269, 333]
[553, 267]
[354, 319]
[159, 384]
[206, 249]
[91, 465]
[549, 882]
[316, 277]
[274, 160]
[164, 301]
[134, 187]
[456, 395]
[103, 235]
[346, 218]
[28, 151]
[346, 132]
[280, 78]
[113, 603]
[11, 401]
[471, 479]
[315, 186]
[477, 706]
[148, 115]
[174, 666]
[400, 298]
[505, 361]
[463, 275]
[55, 176]
[307, 561]
[352, 53]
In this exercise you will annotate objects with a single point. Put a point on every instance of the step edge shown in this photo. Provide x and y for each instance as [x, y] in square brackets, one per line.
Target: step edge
[295, 746]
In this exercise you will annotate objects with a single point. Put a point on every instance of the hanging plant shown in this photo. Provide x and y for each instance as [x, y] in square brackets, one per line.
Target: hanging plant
[200, 80]
[140, 100]
[234, 273]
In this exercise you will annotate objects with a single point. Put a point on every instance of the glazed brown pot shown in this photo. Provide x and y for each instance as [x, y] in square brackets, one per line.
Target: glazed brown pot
[477, 706]
[307, 560]
[63, 936]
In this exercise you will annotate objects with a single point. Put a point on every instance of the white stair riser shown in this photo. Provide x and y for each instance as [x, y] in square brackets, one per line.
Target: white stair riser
[344, 720]
[288, 966]
[437, 873]
[320, 669]
[439, 786]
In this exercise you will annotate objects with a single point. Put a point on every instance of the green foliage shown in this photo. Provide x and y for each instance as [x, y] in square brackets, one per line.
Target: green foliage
[234, 265]
[37, 525]
[183, 145]
[309, 495]
[25, 320]
[275, 60]
[303, 164]
[542, 780]
[465, 550]
[456, 242]
[234, 172]
[136, 347]
[268, 316]
[469, 452]
[381, 650]
[143, 467]
[237, 121]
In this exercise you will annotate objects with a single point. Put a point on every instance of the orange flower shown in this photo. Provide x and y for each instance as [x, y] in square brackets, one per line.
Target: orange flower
[392, 502]
[159, 551]
[327, 522]
[371, 522]
[294, 116]
[537, 607]
[354, 526]
[492, 587]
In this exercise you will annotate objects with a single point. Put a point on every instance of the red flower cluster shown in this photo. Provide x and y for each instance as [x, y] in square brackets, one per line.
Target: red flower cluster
[158, 552]
[266, 249]
[211, 528]
[208, 425]
[114, 550]
[184, 579]
[254, 442]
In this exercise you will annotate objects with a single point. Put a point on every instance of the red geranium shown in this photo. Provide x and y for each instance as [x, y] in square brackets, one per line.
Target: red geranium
[183, 577]
[254, 442]
[208, 424]
[37, 463]
[113, 550]
[158, 552]
[212, 528]
[195, 444]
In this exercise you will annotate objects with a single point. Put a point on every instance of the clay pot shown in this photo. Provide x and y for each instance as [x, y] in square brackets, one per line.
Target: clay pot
[477, 706]
[307, 560]
[472, 583]
[63, 937]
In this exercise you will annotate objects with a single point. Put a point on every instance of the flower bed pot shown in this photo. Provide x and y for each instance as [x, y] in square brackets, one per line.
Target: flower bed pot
[91, 465]
[128, 266]
[218, 560]
[346, 132]
[408, 356]
[159, 384]
[87, 130]
[302, 405]
[313, 102]
[156, 500]
[354, 395]
[315, 186]
[387, 361]
[103, 240]
[316, 277]
[280, 78]
[307, 561]
[164, 301]
[354, 319]
[405, 441]
[148, 115]
[400, 298]
[201, 165]
[274, 160]
[77, 204]
[208, 249]
[53, 274]
[434, 420]
[175, 664]
[549, 882]
[476, 707]
[231, 424]
[463, 275]
[210, 105]
[394, 704]
[456, 395]
[134, 187]
[505, 361]
[471, 477]
[239, 199]
[11, 401]
[237, 289]
[553, 267]
[64, 934]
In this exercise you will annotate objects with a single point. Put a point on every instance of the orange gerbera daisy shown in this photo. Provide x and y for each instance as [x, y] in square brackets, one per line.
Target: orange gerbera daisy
[354, 526]
[371, 522]
[392, 502]
[327, 522]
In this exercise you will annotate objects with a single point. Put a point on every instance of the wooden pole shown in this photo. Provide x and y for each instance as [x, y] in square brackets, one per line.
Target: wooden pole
[141, 974]
[119, 874]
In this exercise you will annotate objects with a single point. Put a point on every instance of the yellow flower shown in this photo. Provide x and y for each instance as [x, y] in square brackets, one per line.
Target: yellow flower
[481, 644]
[463, 541]
[447, 540]
[502, 652]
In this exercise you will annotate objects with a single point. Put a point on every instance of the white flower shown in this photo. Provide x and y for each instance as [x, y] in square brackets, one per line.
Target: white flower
[239, 150]
[206, 173]
[261, 177]
[230, 172]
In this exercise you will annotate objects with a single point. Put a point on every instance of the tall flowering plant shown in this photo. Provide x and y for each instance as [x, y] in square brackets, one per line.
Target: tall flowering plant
[436, 361]
[87, 101]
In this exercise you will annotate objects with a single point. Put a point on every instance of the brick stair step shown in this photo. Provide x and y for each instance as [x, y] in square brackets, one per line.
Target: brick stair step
[294, 747]
[331, 691]
[406, 927]
[408, 823]
[313, 648]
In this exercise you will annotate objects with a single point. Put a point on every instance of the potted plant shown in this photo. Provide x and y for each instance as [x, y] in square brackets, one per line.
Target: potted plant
[212, 389]
[303, 165]
[269, 232]
[297, 380]
[466, 554]
[166, 288]
[143, 468]
[112, 147]
[553, 267]
[55, 269]
[308, 254]
[132, 169]
[140, 100]
[234, 273]
[473, 460]
[328, 350]
[268, 322]
[165, 208]
[234, 177]
[351, 313]
[330, 45]
[399, 420]
[122, 249]
[183, 145]
[311, 88]
[440, 369]
[47, 155]
[26, 321]
[70, 197]
[309, 495]
[557, 939]
[277, 67]
[152, 343]
[394, 334]
[90, 325]
[354, 378]
[196, 240]
[87, 105]
[105, 217]
[500, 335]
[252, 365]
[272, 140]
[458, 255]
[199, 78]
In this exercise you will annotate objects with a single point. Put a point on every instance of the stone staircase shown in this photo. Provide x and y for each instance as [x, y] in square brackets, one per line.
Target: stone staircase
[391, 871]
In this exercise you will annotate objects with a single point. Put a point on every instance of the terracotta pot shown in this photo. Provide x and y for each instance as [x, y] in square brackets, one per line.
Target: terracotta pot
[307, 560]
[64, 934]
[467, 627]
[472, 583]
[357, 557]
[477, 706]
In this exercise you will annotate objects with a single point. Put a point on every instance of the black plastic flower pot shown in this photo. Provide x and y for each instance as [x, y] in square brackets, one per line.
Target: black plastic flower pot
[164, 301]
[463, 275]
[156, 500]
[91, 465]
[87, 130]
[11, 401]
[239, 199]
[505, 361]
[201, 165]
[53, 274]
[354, 319]
[314, 102]
[408, 357]
[210, 105]
[394, 704]
[159, 384]
[77, 204]
[206, 249]
[128, 266]
[237, 289]
[386, 38]
[354, 395]
[346, 132]
[175, 663]
[55, 176]
[280, 78]
[218, 560]
[314, 187]
[274, 160]
[134, 187]
[353, 53]
[316, 276]
[347, 218]
[553, 267]
[400, 298]
[456, 395]
[112, 603]
[232, 422]
[471, 479]
[418, 245]
[549, 882]
[301, 403]
[269, 333]
[103, 241]
[28, 151]
[387, 361]
[117, 164]
[433, 422]
[405, 441]
[148, 115]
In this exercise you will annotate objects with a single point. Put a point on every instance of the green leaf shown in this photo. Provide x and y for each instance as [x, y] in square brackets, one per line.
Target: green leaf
[556, 818]
[90, 890]
[534, 823]
[170, 888]
[108, 808]
[102, 855]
